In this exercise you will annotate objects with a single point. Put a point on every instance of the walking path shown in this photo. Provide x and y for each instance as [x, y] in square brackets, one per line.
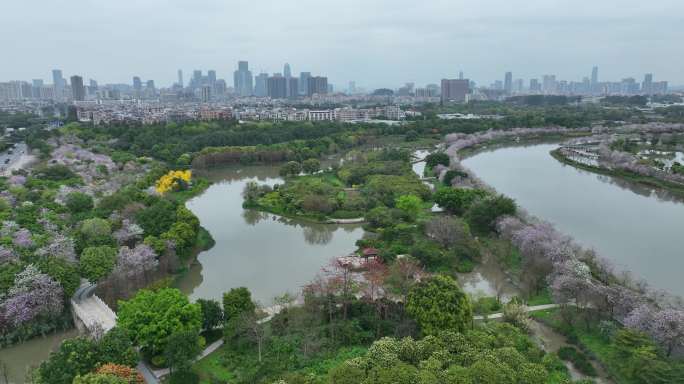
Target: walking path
[527, 309]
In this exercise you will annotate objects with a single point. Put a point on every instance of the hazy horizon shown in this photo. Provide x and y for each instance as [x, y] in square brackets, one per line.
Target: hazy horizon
[378, 44]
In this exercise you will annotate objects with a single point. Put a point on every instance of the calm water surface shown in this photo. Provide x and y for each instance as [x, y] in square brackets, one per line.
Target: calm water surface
[18, 359]
[268, 254]
[639, 229]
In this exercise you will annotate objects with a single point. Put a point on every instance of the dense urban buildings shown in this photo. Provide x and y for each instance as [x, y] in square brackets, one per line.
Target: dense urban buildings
[209, 86]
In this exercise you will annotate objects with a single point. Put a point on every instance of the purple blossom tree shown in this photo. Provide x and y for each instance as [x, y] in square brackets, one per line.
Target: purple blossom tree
[33, 294]
[129, 232]
[22, 238]
[6, 254]
[8, 228]
[59, 246]
[17, 180]
[667, 328]
[136, 261]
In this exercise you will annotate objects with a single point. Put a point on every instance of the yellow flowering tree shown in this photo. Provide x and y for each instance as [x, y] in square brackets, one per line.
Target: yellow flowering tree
[174, 180]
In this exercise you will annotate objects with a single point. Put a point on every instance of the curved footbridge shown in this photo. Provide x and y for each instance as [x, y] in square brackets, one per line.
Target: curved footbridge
[91, 314]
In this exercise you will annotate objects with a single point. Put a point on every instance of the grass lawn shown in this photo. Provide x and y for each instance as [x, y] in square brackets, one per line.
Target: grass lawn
[213, 368]
[543, 297]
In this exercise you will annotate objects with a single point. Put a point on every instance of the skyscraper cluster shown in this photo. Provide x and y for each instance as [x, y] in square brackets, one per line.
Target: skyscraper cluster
[550, 85]
[278, 85]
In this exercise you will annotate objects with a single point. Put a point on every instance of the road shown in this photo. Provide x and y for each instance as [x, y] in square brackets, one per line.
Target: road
[9, 161]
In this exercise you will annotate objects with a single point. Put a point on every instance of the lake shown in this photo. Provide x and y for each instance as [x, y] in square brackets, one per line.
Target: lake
[266, 253]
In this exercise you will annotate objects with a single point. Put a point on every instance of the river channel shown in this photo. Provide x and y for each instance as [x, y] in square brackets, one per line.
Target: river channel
[639, 229]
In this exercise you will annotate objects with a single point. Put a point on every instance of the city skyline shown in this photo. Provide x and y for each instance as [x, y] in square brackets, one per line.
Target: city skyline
[506, 79]
[626, 38]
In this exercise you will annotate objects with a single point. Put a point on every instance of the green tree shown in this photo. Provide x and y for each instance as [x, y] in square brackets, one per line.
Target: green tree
[400, 373]
[411, 205]
[346, 374]
[483, 213]
[157, 218]
[151, 316]
[438, 304]
[181, 350]
[457, 200]
[93, 232]
[311, 165]
[117, 347]
[97, 262]
[78, 202]
[237, 306]
[212, 315]
[182, 234]
[99, 378]
[74, 357]
[237, 302]
[64, 272]
[437, 158]
[291, 168]
[491, 371]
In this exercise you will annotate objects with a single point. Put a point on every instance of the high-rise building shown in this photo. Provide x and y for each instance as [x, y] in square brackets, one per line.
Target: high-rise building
[59, 82]
[594, 76]
[647, 85]
[260, 87]
[550, 86]
[287, 73]
[455, 90]
[36, 85]
[206, 93]
[518, 85]
[276, 86]
[77, 89]
[150, 85]
[460, 75]
[242, 79]
[137, 83]
[304, 83]
[220, 87]
[317, 85]
[292, 87]
[180, 78]
[508, 83]
[92, 87]
[211, 76]
[196, 80]
[352, 87]
[534, 85]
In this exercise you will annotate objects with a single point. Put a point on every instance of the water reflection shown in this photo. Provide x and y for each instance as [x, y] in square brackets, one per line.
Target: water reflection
[269, 254]
[318, 235]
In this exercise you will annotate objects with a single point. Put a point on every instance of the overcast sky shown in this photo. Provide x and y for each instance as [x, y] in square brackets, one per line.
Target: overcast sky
[374, 42]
